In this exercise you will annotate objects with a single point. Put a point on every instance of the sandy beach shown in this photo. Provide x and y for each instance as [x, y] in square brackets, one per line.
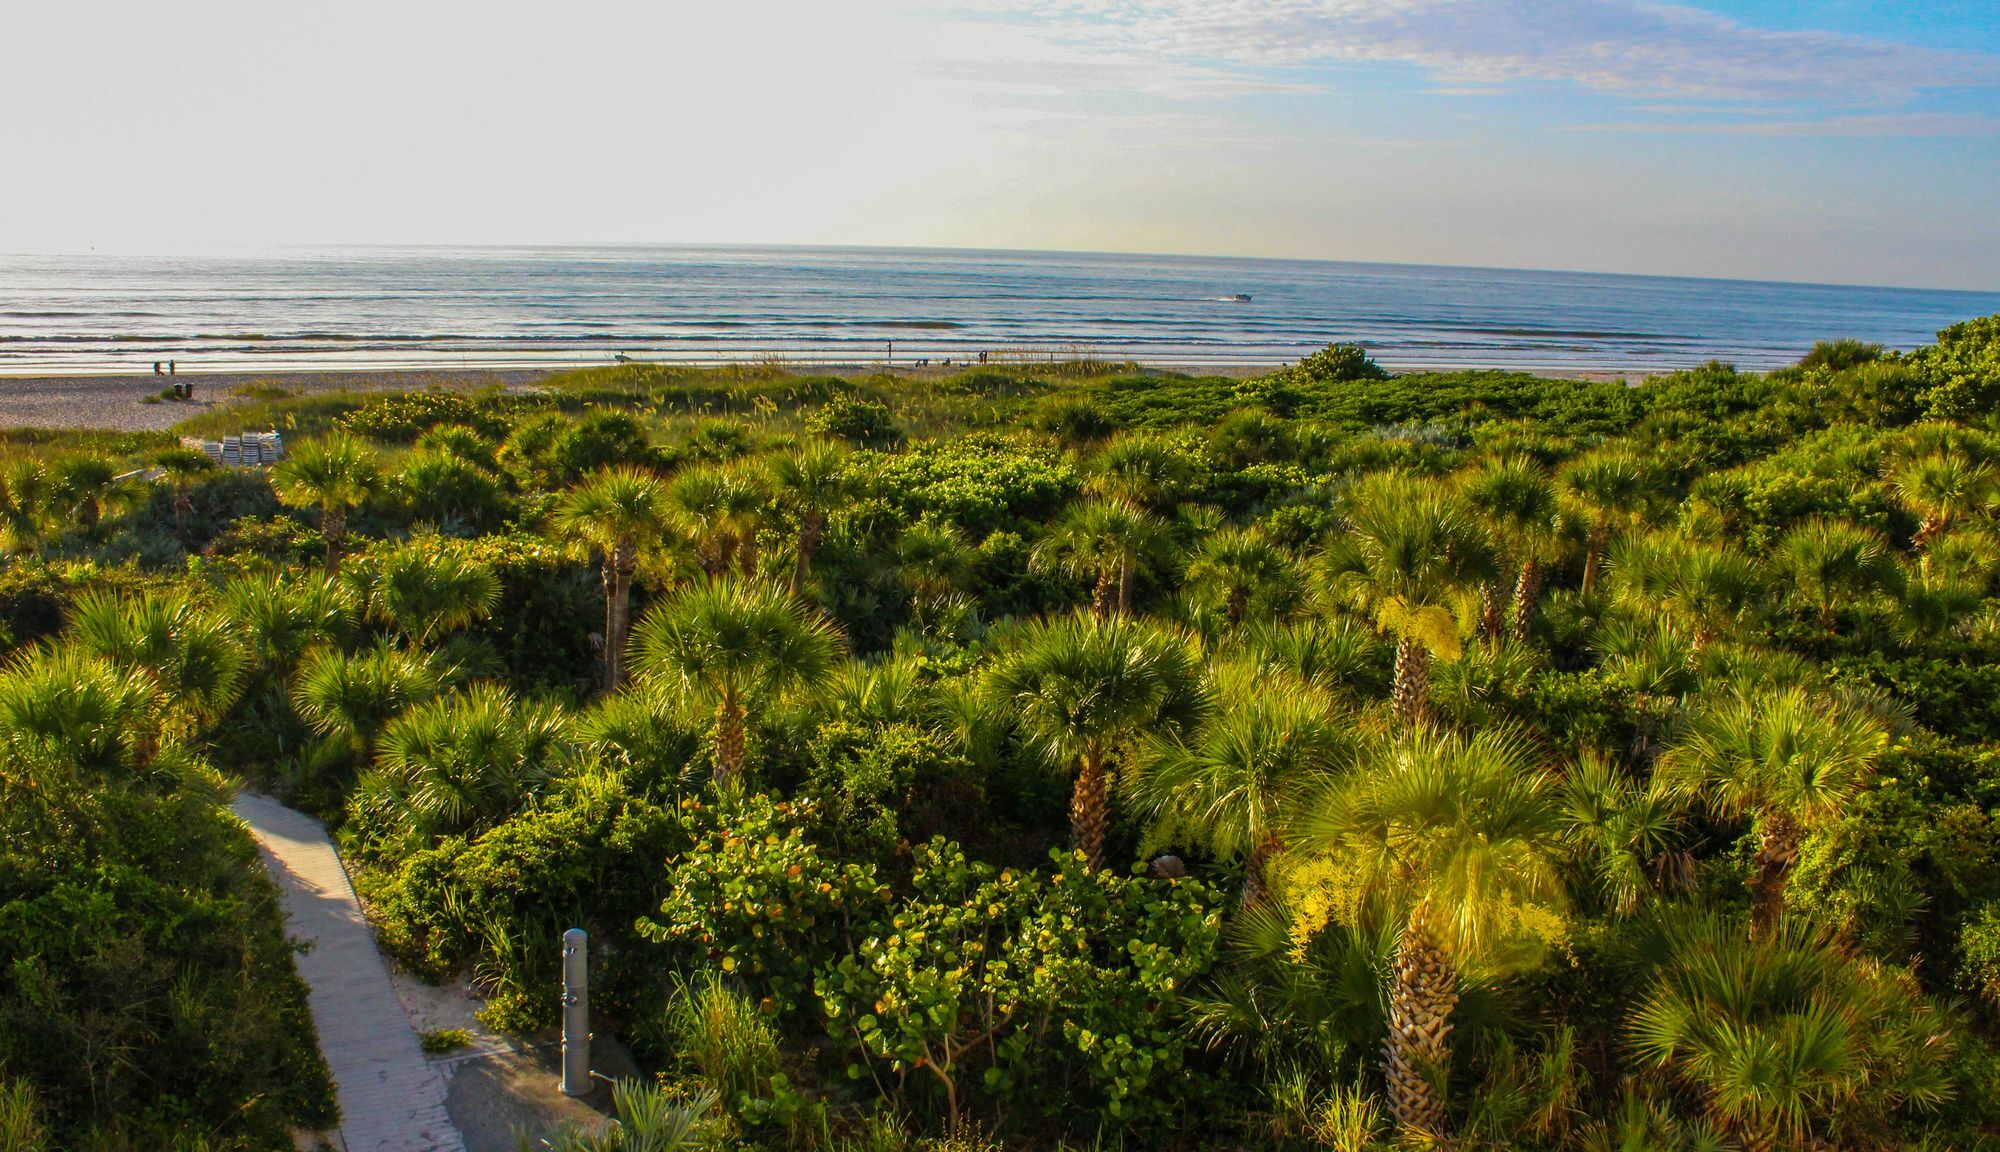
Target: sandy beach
[121, 403]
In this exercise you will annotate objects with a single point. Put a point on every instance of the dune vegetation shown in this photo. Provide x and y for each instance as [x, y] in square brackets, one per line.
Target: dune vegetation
[1042, 756]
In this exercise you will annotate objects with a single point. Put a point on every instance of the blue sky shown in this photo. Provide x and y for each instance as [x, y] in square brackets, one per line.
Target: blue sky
[1772, 139]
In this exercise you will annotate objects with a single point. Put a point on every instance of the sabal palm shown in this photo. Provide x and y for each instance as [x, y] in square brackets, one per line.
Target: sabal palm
[1235, 567]
[1622, 833]
[734, 644]
[1106, 543]
[80, 486]
[1829, 561]
[461, 762]
[1412, 554]
[356, 696]
[1265, 738]
[1785, 1037]
[181, 466]
[334, 474]
[195, 659]
[282, 618]
[73, 707]
[1941, 489]
[618, 513]
[1455, 840]
[932, 561]
[427, 590]
[1516, 500]
[23, 490]
[1148, 471]
[1338, 654]
[1079, 685]
[1787, 760]
[718, 509]
[811, 483]
[1707, 588]
[1608, 489]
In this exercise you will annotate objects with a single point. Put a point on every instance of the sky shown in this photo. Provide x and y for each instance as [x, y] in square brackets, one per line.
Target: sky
[1832, 141]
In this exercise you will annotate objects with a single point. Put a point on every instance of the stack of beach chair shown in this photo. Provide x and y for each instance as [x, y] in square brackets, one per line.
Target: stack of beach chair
[249, 450]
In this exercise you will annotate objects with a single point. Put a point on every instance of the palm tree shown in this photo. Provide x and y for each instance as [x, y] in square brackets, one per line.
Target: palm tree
[356, 696]
[181, 466]
[1829, 561]
[1786, 759]
[1623, 834]
[1411, 554]
[79, 487]
[282, 619]
[1609, 488]
[1077, 686]
[1941, 489]
[1105, 543]
[1236, 566]
[718, 509]
[1149, 471]
[810, 483]
[334, 474]
[1516, 500]
[1453, 839]
[427, 590]
[194, 659]
[1786, 1039]
[1267, 736]
[1708, 588]
[734, 644]
[617, 513]
[933, 562]
[462, 762]
[70, 706]
[23, 490]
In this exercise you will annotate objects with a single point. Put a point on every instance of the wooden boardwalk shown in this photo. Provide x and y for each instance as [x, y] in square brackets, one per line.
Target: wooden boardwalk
[391, 1098]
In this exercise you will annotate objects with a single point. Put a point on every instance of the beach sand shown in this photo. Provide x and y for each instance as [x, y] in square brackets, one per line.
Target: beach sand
[119, 403]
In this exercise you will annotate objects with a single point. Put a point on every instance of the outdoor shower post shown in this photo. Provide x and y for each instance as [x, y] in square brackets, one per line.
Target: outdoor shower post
[576, 1015]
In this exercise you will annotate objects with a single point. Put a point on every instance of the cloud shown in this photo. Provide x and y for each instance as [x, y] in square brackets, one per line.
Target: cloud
[1904, 125]
[1621, 47]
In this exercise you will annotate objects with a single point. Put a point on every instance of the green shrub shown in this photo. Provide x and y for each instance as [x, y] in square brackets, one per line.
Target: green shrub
[863, 423]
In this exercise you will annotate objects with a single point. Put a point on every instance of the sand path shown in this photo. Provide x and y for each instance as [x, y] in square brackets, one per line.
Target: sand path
[391, 1098]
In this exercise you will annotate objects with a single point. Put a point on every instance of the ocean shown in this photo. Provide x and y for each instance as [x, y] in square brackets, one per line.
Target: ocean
[546, 307]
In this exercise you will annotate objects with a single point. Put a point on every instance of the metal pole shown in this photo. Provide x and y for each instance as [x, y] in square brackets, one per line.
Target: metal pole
[576, 1014]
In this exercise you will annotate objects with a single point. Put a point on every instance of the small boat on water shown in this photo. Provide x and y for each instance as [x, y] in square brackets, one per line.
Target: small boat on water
[1239, 298]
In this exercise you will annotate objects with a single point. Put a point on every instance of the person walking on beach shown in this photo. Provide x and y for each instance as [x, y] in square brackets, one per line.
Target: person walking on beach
[171, 370]
[156, 368]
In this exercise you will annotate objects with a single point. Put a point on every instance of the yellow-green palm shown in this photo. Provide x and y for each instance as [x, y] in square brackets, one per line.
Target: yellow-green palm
[335, 474]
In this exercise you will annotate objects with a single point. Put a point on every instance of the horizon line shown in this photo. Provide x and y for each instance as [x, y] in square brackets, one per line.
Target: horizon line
[250, 250]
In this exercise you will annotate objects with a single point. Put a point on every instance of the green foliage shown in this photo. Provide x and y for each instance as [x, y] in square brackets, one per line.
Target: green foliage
[1962, 368]
[862, 423]
[439, 1041]
[979, 483]
[992, 982]
[403, 417]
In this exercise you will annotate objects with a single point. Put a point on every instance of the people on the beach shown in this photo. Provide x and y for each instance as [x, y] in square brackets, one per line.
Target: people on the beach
[156, 368]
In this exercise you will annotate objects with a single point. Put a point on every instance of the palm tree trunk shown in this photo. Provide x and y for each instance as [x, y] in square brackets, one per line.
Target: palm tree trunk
[1255, 886]
[333, 526]
[1593, 556]
[1125, 587]
[810, 528]
[1233, 610]
[1413, 678]
[1777, 850]
[1106, 594]
[1492, 610]
[1423, 991]
[183, 505]
[729, 752]
[1089, 807]
[623, 561]
[1527, 590]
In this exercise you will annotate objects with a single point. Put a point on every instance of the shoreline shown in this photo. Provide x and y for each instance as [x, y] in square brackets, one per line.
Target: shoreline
[121, 403]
